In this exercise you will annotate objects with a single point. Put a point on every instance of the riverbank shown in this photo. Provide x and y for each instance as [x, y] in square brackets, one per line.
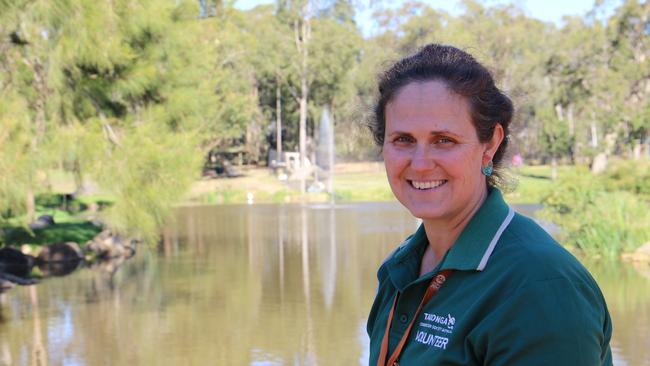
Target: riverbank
[353, 182]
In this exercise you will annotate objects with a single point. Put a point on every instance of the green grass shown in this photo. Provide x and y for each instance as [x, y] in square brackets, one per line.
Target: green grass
[533, 183]
[359, 187]
[237, 195]
[79, 232]
[69, 225]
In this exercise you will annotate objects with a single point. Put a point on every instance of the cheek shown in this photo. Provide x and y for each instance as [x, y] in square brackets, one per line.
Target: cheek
[393, 162]
[390, 156]
[467, 164]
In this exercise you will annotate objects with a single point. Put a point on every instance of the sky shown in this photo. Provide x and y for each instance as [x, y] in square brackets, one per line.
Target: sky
[546, 10]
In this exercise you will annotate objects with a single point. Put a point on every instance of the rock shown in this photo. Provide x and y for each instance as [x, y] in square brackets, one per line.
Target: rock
[17, 280]
[43, 221]
[6, 285]
[14, 262]
[26, 249]
[60, 252]
[640, 254]
[108, 245]
[59, 259]
[59, 268]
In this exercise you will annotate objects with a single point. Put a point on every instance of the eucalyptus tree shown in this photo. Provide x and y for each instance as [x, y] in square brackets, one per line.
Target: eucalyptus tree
[298, 16]
[628, 33]
[272, 56]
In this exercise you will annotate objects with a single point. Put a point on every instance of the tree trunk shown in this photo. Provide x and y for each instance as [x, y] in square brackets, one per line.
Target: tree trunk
[278, 120]
[559, 111]
[594, 135]
[553, 167]
[572, 133]
[78, 176]
[303, 133]
[302, 32]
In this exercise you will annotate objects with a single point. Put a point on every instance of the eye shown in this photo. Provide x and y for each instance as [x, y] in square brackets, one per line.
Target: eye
[443, 140]
[403, 139]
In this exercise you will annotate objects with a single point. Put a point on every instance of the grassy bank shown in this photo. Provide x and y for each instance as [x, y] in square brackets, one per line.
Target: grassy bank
[353, 182]
[73, 221]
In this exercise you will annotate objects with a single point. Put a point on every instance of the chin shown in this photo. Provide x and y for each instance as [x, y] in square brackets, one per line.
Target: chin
[426, 213]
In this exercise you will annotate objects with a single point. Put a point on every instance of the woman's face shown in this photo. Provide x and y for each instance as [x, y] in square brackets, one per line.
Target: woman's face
[432, 154]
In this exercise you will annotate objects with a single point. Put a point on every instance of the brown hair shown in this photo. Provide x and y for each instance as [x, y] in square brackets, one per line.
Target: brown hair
[464, 76]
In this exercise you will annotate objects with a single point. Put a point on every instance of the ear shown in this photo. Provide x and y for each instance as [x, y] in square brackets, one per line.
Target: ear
[492, 146]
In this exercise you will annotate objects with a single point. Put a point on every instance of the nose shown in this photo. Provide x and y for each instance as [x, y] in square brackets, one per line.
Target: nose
[422, 158]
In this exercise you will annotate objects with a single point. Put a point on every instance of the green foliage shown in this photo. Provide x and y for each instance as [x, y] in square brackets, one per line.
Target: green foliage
[629, 175]
[16, 162]
[126, 94]
[555, 138]
[79, 232]
[147, 175]
[597, 221]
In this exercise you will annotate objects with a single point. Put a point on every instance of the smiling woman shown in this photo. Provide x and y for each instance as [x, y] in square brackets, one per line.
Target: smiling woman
[433, 155]
[477, 284]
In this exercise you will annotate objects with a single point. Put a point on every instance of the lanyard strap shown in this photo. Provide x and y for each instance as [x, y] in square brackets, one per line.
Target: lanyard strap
[436, 282]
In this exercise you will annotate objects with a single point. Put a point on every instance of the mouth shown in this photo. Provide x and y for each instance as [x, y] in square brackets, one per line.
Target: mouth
[424, 185]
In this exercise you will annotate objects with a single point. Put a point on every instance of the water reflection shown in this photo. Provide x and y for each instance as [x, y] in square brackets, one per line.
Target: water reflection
[627, 290]
[248, 285]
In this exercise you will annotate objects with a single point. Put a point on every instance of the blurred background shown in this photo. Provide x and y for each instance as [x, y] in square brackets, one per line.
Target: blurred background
[228, 140]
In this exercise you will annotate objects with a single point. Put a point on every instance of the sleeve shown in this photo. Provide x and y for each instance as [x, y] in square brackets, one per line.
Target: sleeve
[549, 322]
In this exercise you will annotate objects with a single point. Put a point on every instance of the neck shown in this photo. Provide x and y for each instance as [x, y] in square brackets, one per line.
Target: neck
[442, 233]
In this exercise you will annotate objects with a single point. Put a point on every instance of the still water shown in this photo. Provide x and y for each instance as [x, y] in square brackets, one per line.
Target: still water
[249, 285]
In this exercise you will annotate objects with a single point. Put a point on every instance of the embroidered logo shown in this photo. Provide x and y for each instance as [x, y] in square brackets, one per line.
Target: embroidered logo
[441, 320]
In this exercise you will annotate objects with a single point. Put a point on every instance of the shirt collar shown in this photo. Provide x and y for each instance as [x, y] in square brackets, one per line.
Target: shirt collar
[471, 251]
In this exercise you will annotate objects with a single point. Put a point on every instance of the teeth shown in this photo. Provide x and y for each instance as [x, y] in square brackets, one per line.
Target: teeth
[427, 184]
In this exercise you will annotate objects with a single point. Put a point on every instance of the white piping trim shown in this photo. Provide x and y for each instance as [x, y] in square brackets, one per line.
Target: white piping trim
[493, 243]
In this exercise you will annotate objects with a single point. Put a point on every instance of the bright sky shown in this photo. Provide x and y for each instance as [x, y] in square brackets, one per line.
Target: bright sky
[547, 10]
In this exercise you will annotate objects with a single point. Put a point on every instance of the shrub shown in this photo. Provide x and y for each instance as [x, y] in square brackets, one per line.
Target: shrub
[595, 220]
[629, 175]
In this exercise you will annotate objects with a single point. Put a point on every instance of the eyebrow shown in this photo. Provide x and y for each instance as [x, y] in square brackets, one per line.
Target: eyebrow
[433, 133]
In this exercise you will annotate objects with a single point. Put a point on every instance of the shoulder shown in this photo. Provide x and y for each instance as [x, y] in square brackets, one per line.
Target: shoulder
[533, 261]
[532, 252]
[550, 288]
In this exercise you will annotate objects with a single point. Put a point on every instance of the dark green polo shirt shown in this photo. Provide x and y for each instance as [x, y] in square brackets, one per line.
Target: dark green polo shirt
[516, 297]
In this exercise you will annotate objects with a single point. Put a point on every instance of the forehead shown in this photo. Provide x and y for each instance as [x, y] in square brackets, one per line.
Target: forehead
[431, 103]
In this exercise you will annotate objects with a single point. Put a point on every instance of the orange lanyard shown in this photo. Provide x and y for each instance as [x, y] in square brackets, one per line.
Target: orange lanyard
[433, 288]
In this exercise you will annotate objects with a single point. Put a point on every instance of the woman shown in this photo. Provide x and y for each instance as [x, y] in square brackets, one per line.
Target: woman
[477, 284]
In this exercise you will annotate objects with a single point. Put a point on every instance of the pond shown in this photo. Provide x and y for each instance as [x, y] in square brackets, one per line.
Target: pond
[249, 285]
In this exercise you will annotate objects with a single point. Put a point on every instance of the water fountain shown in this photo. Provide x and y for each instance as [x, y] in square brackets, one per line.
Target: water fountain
[325, 151]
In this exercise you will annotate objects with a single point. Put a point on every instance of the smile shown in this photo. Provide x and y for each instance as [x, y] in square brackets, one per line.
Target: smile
[422, 185]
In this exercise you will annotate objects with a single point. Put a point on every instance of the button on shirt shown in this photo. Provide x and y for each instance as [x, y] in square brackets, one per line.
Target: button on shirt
[516, 298]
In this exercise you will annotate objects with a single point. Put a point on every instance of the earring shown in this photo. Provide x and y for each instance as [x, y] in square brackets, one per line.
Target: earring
[487, 169]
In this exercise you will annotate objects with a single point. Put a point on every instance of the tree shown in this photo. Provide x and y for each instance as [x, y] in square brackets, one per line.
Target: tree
[627, 32]
[129, 94]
